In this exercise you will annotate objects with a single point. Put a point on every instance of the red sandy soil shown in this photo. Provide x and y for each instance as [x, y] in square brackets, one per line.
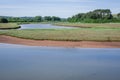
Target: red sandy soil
[82, 44]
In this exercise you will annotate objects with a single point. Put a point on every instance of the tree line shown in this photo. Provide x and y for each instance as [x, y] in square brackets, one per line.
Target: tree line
[96, 16]
[4, 19]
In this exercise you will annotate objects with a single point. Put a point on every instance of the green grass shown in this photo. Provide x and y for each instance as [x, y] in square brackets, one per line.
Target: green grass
[90, 25]
[88, 32]
[66, 35]
[9, 26]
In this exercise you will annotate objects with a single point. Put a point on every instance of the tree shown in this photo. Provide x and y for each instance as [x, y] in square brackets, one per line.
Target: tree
[38, 19]
[98, 15]
[54, 18]
[118, 15]
[47, 18]
[3, 20]
[108, 14]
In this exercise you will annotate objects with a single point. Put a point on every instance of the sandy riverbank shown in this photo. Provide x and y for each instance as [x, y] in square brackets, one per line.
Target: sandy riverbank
[82, 44]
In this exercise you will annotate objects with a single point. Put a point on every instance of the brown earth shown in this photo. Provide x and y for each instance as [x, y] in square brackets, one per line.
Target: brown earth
[82, 44]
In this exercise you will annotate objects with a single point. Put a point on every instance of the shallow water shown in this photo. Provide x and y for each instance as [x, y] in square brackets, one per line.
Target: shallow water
[19, 62]
[43, 26]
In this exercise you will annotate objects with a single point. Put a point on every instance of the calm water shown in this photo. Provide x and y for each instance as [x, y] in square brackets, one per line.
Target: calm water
[50, 63]
[43, 26]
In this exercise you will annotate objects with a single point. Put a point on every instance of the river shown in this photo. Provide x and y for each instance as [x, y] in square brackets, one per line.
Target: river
[43, 26]
[18, 62]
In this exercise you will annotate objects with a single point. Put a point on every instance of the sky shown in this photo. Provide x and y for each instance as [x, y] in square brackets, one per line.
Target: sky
[60, 8]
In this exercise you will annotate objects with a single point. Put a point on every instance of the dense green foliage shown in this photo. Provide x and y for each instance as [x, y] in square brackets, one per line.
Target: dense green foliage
[53, 18]
[96, 16]
[38, 19]
[32, 19]
[3, 20]
[47, 18]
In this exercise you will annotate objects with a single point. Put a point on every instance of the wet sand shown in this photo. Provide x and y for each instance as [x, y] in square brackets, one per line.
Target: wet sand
[82, 44]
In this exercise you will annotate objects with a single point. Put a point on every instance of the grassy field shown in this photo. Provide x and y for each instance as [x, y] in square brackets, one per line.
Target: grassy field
[9, 26]
[90, 25]
[88, 32]
[66, 35]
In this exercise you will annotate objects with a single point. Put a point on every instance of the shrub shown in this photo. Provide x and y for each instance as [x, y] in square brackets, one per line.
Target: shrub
[3, 20]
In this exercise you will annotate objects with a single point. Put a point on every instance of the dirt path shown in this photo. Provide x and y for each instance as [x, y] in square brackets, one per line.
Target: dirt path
[83, 44]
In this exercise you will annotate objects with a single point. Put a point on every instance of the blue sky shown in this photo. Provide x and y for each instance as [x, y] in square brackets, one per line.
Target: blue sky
[61, 8]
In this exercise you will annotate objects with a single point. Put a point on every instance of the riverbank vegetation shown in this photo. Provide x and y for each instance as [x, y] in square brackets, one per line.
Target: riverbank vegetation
[3, 20]
[90, 25]
[9, 26]
[96, 16]
[31, 19]
[66, 35]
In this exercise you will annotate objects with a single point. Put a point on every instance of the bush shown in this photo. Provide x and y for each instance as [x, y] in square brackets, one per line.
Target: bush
[3, 20]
